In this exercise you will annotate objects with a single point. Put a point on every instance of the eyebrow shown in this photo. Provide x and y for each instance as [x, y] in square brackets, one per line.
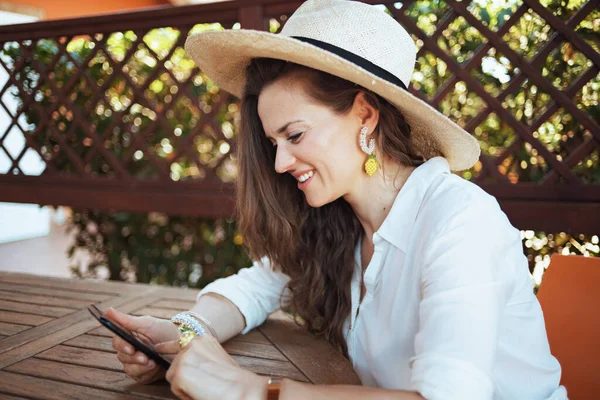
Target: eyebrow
[284, 127]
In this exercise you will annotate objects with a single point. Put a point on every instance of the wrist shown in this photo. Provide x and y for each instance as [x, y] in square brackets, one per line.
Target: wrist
[254, 387]
[206, 324]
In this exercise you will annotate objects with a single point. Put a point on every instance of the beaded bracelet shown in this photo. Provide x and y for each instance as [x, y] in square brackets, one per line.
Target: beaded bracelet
[205, 323]
[189, 328]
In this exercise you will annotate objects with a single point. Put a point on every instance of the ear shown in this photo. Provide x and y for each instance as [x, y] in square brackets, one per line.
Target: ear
[366, 113]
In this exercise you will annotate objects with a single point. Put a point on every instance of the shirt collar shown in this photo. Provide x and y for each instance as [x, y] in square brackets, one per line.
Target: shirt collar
[398, 225]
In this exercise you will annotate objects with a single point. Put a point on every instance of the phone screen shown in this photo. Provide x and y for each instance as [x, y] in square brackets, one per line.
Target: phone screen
[128, 337]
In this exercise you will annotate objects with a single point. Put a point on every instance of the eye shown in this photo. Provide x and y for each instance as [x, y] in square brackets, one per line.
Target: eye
[295, 137]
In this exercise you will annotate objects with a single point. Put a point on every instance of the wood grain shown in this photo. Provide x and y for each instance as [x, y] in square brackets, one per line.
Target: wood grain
[44, 300]
[270, 367]
[92, 342]
[35, 340]
[258, 350]
[85, 357]
[61, 352]
[109, 288]
[22, 318]
[37, 309]
[179, 305]
[176, 293]
[9, 397]
[254, 336]
[163, 313]
[100, 331]
[12, 329]
[104, 360]
[60, 293]
[85, 376]
[47, 389]
[317, 359]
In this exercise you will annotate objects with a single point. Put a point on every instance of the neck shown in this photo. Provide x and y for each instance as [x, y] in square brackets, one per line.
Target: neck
[374, 196]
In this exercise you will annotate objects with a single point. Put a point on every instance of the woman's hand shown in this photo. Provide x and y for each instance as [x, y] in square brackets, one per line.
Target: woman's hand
[151, 331]
[204, 371]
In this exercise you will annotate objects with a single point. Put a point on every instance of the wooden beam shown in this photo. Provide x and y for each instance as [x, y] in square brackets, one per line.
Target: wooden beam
[577, 218]
[202, 199]
[529, 207]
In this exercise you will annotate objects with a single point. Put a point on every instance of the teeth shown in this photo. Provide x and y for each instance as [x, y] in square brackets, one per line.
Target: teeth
[303, 178]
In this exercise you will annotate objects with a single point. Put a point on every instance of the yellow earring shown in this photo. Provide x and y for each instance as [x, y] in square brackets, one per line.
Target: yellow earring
[371, 164]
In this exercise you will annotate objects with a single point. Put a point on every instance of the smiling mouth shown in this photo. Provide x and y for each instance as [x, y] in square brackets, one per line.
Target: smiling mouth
[304, 177]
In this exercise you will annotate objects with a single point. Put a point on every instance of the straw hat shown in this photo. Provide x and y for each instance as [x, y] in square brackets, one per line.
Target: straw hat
[352, 40]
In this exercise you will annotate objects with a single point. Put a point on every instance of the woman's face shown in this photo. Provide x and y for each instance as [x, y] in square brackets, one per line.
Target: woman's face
[316, 146]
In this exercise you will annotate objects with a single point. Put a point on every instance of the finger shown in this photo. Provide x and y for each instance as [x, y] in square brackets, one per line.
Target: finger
[122, 346]
[137, 371]
[148, 377]
[146, 372]
[128, 322]
[137, 358]
[171, 347]
[170, 372]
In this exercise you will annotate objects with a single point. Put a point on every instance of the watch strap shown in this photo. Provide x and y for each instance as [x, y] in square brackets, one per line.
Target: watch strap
[273, 387]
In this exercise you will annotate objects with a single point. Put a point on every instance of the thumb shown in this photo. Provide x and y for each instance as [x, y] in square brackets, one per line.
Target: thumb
[128, 322]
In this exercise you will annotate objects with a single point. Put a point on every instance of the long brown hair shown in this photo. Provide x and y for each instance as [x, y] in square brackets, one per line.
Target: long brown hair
[314, 246]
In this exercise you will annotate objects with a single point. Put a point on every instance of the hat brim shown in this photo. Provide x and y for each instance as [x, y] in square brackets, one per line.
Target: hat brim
[224, 56]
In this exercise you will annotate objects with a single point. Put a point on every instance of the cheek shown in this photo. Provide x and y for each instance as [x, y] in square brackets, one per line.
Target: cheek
[344, 161]
[347, 170]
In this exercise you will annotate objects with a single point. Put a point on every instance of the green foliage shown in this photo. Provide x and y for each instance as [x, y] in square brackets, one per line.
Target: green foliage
[539, 247]
[157, 248]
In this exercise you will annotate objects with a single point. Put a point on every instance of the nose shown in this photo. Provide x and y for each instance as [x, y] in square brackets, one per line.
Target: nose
[283, 159]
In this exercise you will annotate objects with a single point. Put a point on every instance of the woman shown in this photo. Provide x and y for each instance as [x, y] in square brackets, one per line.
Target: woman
[345, 197]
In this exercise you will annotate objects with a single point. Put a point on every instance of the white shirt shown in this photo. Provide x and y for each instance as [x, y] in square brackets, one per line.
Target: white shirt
[449, 309]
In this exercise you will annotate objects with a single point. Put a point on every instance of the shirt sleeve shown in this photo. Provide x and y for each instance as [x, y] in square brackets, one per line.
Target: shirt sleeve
[256, 291]
[463, 294]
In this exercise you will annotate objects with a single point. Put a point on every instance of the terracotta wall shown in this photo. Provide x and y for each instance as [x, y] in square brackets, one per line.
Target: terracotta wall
[57, 9]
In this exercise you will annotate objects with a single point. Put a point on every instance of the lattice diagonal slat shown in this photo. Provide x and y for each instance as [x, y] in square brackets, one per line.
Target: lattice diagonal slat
[519, 78]
[492, 102]
[81, 151]
[527, 72]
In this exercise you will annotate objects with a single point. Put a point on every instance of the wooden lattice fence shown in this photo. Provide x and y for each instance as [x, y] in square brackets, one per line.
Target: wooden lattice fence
[115, 116]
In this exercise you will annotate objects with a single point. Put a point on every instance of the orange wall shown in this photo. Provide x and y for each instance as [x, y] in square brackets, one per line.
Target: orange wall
[57, 9]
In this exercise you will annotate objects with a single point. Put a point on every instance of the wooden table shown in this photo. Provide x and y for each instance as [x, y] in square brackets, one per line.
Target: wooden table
[52, 348]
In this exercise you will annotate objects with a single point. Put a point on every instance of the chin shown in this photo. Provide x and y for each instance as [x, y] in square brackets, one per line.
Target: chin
[313, 203]
[318, 201]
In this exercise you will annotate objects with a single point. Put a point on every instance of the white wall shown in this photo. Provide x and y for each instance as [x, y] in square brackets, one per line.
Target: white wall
[18, 221]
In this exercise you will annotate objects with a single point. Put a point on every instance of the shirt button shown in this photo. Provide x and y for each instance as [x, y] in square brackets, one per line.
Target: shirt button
[376, 240]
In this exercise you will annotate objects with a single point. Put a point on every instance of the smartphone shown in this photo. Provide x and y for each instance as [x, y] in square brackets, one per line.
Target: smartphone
[128, 337]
